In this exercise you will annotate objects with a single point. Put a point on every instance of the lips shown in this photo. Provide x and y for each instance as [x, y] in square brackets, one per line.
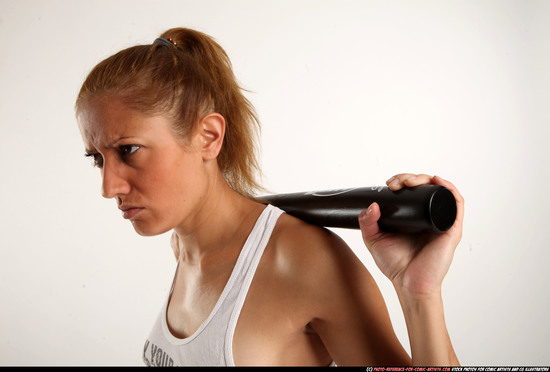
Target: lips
[130, 212]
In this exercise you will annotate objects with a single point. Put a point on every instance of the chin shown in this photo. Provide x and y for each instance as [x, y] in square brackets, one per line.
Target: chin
[145, 229]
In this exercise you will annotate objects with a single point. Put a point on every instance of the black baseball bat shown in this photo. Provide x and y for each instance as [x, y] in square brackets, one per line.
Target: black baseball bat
[413, 210]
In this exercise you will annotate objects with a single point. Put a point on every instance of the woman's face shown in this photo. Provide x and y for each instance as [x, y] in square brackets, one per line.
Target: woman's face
[156, 179]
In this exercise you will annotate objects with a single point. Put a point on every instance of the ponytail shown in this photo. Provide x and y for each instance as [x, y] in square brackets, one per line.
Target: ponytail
[185, 81]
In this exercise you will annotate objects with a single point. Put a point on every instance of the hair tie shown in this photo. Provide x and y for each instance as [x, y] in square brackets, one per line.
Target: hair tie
[169, 41]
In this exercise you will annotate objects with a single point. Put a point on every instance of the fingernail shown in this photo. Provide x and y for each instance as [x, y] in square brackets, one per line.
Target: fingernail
[365, 214]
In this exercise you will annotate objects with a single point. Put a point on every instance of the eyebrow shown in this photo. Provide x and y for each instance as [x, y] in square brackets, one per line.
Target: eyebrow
[111, 145]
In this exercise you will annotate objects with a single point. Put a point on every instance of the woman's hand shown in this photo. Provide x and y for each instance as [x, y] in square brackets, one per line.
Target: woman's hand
[416, 264]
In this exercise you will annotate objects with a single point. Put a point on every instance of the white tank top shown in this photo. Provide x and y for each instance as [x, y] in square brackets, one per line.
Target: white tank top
[212, 342]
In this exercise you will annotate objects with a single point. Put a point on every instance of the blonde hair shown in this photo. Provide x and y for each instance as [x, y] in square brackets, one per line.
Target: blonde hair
[185, 80]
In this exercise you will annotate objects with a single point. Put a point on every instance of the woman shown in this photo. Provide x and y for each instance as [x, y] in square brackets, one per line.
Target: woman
[173, 136]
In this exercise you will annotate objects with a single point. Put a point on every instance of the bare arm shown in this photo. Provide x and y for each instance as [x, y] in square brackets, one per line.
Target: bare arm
[417, 268]
[430, 342]
[346, 308]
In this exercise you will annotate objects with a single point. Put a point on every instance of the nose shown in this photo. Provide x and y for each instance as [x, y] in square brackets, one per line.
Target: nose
[115, 183]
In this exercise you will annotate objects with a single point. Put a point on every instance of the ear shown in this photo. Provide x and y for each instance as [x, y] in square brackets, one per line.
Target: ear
[213, 132]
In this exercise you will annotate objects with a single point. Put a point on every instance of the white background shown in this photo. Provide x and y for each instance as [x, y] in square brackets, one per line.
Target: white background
[349, 93]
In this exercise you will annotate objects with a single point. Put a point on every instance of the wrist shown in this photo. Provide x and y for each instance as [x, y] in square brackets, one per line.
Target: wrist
[417, 291]
[424, 315]
[420, 305]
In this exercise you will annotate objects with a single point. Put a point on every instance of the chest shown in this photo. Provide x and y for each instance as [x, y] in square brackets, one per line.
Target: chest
[272, 326]
[195, 293]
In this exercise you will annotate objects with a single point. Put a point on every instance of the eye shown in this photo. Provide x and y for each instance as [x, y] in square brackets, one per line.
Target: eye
[97, 159]
[127, 150]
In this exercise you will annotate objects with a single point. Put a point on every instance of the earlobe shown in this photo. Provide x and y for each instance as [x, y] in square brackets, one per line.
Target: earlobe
[213, 131]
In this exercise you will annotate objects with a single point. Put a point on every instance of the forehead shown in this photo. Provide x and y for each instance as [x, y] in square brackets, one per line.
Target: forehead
[103, 121]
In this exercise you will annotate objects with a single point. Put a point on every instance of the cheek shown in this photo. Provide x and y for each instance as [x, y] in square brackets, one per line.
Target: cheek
[172, 191]
[173, 181]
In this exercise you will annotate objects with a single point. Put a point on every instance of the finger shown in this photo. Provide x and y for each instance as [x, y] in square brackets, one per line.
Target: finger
[368, 223]
[398, 177]
[421, 179]
[401, 180]
[396, 182]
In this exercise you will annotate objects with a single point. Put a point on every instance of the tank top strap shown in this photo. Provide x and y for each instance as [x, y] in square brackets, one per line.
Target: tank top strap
[255, 246]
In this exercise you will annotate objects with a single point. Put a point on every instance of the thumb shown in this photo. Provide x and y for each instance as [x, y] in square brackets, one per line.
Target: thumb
[368, 223]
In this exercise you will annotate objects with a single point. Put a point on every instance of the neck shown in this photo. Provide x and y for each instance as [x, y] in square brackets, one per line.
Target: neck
[222, 223]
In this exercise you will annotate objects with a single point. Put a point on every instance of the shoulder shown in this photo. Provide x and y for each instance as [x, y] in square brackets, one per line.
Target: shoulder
[298, 241]
[314, 260]
[327, 285]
